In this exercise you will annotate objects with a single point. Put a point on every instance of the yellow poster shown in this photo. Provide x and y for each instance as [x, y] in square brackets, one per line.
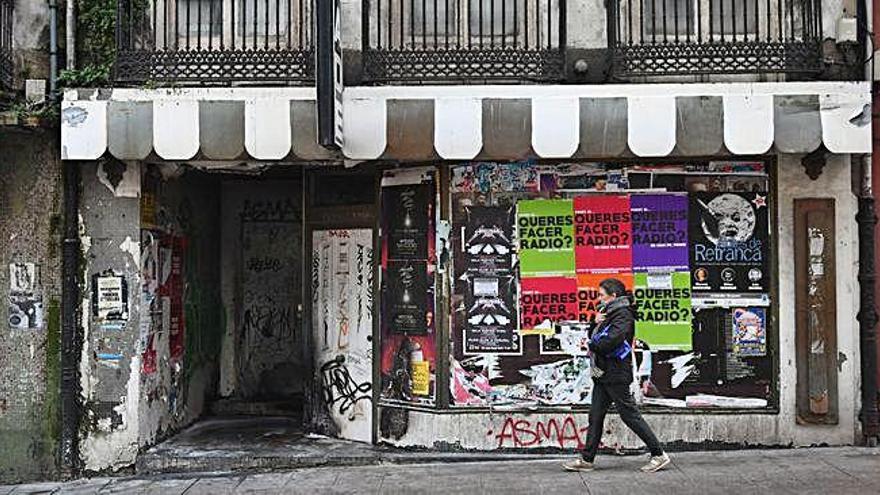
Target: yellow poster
[421, 378]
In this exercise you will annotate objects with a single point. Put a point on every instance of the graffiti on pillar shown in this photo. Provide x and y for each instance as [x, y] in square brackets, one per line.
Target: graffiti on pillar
[342, 326]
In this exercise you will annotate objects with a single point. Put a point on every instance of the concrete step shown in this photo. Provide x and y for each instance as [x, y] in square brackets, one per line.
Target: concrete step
[242, 407]
[247, 444]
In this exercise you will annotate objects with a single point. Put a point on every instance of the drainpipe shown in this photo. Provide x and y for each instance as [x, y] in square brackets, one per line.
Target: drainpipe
[53, 48]
[867, 219]
[70, 35]
[71, 335]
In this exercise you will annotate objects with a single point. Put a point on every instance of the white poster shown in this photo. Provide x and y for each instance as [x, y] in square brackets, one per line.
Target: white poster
[111, 299]
[22, 277]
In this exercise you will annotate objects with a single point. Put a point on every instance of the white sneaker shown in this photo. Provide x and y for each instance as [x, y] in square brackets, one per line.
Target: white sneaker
[578, 465]
[656, 463]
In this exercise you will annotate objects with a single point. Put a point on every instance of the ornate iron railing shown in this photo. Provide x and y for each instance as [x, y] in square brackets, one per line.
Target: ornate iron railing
[215, 41]
[685, 37]
[463, 40]
[6, 70]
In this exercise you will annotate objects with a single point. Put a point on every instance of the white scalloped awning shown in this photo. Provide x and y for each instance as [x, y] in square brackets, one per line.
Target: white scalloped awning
[562, 122]
[416, 123]
[215, 124]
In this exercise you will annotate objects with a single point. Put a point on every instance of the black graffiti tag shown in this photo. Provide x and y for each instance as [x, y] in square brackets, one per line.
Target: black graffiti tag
[268, 320]
[339, 387]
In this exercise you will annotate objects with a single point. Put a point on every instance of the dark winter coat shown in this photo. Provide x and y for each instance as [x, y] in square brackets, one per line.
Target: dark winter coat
[620, 324]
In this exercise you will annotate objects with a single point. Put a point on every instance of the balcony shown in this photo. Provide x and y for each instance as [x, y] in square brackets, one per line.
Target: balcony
[694, 37]
[219, 42]
[6, 71]
[463, 40]
[215, 41]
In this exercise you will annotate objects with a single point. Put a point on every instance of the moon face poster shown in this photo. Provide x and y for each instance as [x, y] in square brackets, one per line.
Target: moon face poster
[729, 242]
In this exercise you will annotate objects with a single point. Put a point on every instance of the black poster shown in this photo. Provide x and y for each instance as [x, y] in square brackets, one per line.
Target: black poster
[488, 240]
[407, 214]
[407, 297]
[729, 242]
[491, 317]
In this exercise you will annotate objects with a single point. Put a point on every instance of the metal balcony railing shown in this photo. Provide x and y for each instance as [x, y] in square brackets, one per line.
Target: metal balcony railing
[6, 71]
[215, 41]
[689, 37]
[463, 40]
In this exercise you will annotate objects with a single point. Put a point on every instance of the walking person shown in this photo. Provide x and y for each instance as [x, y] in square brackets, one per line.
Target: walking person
[611, 369]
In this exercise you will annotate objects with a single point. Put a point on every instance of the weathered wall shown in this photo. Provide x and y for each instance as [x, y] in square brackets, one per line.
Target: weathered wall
[110, 365]
[179, 205]
[147, 373]
[30, 221]
[30, 38]
[563, 429]
[262, 288]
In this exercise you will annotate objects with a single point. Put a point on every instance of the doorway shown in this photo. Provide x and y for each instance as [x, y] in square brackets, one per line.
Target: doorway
[340, 230]
[263, 361]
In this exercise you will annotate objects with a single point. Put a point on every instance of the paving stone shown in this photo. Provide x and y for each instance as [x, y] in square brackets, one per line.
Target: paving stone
[263, 483]
[214, 486]
[797, 472]
[36, 488]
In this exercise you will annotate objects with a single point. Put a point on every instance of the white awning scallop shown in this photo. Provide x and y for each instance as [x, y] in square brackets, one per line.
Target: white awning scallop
[418, 123]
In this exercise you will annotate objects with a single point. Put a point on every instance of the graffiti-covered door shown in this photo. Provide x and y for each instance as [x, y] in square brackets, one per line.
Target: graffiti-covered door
[270, 347]
[342, 326]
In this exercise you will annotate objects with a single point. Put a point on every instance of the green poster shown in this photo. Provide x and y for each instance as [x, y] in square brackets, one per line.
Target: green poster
[545, 229]
[664, 315]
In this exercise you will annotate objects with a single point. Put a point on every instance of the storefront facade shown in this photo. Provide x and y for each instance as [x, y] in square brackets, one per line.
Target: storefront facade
[453, 264]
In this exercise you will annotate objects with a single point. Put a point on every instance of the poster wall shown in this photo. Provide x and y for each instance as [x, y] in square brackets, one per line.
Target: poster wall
[662, 230]
[409, 264]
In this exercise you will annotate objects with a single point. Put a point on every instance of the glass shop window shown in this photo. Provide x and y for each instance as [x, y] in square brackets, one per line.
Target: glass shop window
[691, 242]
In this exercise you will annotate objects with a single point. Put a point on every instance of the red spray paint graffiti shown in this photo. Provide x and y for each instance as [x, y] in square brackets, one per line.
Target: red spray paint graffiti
[562, 433]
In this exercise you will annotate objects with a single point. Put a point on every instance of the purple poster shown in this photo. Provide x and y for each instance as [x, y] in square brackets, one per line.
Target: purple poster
[659, 231]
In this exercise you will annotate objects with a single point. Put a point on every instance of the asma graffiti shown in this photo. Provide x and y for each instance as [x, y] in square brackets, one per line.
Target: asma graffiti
[562, 432]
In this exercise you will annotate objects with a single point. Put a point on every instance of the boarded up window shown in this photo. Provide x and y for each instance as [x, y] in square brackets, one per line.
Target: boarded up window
[815, 304]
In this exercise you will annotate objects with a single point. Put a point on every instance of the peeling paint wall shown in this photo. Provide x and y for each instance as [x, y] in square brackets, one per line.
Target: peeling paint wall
[262, 289]
[30, 39]
[563, 429]
[149, 359]
[30, 285]
[110, 365]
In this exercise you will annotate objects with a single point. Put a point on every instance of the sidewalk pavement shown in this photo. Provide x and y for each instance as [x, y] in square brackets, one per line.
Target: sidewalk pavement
[797, 471]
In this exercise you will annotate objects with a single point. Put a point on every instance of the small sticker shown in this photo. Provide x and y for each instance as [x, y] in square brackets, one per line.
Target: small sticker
[660, 280]
[486, 287]
[22, 277]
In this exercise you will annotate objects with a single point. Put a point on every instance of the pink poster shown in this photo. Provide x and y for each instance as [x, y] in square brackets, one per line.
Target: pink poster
[602, 234]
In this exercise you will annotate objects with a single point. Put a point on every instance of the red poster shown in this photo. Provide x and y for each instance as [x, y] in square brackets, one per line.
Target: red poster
[172, 292]
[543, 301]
[588, 292]
[602, 233]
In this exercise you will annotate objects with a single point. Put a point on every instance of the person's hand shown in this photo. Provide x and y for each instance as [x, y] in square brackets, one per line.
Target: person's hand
[600, 317]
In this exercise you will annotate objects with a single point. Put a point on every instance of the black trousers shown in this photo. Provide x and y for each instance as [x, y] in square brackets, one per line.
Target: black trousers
[605, 394]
